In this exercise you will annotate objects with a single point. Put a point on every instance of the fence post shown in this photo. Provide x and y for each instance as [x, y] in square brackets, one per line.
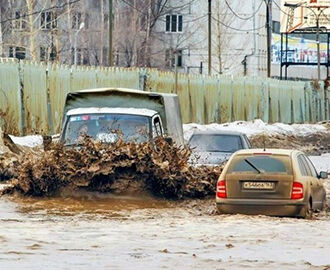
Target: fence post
[21, 99]
[142, 79]
[49, 106]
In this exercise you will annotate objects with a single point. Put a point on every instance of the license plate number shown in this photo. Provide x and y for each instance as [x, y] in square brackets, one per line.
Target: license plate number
[258, 185]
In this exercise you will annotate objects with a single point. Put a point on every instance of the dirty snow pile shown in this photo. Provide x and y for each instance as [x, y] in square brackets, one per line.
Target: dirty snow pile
[256, 127]
[30, 141]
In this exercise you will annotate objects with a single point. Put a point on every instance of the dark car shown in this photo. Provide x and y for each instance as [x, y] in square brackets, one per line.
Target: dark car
[215, 147]
[271, 182]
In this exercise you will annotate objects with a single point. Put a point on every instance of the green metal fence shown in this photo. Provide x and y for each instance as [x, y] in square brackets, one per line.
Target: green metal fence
[32, 95]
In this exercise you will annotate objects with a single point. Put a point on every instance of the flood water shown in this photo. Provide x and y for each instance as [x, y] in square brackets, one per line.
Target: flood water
[86, 231]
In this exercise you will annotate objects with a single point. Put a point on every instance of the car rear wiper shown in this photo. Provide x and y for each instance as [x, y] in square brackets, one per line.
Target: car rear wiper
[252, 165]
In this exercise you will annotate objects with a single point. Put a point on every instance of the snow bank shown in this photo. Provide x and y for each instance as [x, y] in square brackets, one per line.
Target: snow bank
[256, 127]
[30, 141]
[321, 163]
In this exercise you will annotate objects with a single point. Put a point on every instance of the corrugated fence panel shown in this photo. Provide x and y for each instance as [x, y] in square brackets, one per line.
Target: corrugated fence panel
[197, 90]
[239, 99]
[163, 82]
[10, 104]
[203, 99]
[129, 78]
[225, 99]
[297, 97]
[59, 86]
[184, 97]
[83, 78]
[252, 98]
[35, 97]
[117, 77]
[273, 100]
[106, 77]
[263, 111]
[284, 102]
[211, 100]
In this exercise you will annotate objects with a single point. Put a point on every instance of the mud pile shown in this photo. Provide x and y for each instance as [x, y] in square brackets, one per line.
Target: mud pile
[314, 144]
[159, 168]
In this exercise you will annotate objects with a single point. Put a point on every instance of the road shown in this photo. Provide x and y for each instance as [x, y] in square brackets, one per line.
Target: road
[86, 231]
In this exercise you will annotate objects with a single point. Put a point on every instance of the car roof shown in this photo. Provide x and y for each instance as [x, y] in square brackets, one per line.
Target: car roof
[217, 132]
[286, 152]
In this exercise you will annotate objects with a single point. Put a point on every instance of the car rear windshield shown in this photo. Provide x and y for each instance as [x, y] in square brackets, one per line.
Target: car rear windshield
[215, 143]
[261, 164]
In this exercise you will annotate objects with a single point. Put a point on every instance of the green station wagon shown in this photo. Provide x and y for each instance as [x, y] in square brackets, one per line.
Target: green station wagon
[270, 182]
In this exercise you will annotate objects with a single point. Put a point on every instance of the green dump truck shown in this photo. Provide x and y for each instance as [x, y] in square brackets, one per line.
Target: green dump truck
[106, 113]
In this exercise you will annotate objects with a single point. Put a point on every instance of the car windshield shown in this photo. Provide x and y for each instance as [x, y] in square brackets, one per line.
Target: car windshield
[104, 127]
[261, 164]
[215, 143]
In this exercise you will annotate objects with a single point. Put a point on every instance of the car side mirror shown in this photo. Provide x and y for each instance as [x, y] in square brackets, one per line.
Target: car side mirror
[323, 175]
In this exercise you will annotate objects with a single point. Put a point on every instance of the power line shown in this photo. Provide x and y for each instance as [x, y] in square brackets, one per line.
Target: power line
[174, 8]
[238, 29]
[240, 17]
[41, 10]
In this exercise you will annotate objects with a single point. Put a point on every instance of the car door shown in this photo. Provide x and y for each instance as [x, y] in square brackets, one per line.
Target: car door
[318, 184]
[306, 177]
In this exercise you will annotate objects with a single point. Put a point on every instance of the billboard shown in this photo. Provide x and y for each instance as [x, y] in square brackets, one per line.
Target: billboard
[297, 14]
[300, 50]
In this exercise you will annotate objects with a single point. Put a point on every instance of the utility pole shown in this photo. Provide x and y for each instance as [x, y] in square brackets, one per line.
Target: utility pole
[110, 33]
[269, 35]
[318, 46]
[210, 40]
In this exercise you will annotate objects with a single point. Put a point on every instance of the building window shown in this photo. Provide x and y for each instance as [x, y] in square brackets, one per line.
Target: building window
[170, 57]
[48, 20]
[173, 23]
[82, 56]
[18, 52]
[19, 22]
[48, 54]
[276, 27]
[76, 20]
[42, 54]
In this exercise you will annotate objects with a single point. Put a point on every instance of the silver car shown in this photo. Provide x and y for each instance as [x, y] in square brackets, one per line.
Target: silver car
[215, 147]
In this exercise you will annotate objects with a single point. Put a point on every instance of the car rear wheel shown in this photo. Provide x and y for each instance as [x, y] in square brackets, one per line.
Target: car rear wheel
[307, 211]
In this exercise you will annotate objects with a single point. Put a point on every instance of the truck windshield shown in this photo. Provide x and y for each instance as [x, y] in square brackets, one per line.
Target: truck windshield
[104, 127]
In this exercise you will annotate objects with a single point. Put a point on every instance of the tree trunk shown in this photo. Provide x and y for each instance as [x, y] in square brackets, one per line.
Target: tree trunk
[219, 39]
[1, 35]
[102, 32]
[32, 48]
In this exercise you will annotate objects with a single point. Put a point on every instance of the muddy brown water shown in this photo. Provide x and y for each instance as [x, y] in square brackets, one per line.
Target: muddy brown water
[91, 230]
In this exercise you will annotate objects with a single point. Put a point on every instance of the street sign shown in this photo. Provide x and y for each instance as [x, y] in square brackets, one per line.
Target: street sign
[303, 14]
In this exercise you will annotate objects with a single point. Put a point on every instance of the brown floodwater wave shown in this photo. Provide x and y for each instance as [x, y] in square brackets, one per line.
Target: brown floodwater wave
[158, 168]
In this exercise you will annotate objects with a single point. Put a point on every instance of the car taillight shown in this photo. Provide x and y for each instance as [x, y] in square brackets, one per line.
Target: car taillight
[297, 191]
[221, 189]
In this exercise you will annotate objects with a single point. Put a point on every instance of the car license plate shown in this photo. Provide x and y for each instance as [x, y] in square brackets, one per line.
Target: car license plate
[258, 185]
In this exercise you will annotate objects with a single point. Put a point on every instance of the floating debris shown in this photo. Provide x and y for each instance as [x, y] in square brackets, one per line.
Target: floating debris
[157, 167]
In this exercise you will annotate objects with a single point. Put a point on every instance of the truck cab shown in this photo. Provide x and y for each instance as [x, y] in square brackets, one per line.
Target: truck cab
[105, 114]
[107, 124]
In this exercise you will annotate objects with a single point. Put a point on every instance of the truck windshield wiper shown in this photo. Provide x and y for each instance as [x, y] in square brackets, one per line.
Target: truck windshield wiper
[252, 165]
